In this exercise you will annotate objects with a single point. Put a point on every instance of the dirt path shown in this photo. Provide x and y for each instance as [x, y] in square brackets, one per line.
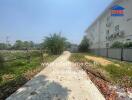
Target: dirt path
[61, 80]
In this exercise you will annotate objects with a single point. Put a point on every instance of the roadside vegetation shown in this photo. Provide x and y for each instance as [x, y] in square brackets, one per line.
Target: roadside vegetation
[121, 45]
[115, 71]
[54, 44]
[22, 60]
[15, 73]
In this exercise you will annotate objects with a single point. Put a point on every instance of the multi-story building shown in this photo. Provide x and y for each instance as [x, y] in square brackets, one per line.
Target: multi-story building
[107, 29]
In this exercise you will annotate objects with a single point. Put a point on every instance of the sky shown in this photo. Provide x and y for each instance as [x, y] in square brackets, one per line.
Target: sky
[34, 19]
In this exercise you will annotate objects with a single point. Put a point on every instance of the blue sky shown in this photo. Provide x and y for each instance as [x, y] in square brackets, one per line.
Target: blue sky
[35, 19]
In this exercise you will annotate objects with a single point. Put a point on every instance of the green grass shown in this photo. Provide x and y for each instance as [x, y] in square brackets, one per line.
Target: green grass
[15, 73]
[18, 67]
[77, 57]
[49, 58]
[121, 75]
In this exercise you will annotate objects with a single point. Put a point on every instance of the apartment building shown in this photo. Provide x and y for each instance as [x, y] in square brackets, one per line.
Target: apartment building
[107, 28]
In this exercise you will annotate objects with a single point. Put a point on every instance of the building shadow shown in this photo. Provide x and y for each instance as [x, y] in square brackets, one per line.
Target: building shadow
[39, 88]
[11, 86]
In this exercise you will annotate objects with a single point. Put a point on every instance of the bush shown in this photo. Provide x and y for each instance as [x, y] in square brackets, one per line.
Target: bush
[128, 45]
[1, 60]
[121, 45]
[35, 53]
[117, 45]
[55, 44]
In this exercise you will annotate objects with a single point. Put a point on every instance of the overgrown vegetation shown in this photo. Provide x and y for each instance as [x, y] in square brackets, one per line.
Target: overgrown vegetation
[118, 72]
[55, 44]
[117, 45]
[17, 72]
[77, 57]
[121, 45]
[20, 45]
[128, 45]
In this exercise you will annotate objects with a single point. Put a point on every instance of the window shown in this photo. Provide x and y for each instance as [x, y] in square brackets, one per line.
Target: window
[107, 32]
[117, 28]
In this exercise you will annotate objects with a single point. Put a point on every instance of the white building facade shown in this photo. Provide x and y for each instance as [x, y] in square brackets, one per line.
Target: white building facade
[108, 29]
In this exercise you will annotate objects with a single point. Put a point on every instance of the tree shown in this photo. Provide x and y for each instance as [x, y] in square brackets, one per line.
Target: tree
[26, 45]
[18, 45]
[3, 46]
[55, 44]
[128, 45]
[84, 45]
[117, 45]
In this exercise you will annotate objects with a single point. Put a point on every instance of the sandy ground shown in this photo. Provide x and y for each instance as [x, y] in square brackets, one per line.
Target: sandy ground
[61, 80]
[99, 60]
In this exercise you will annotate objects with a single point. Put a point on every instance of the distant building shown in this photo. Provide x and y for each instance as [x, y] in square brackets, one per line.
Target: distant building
[114, 24]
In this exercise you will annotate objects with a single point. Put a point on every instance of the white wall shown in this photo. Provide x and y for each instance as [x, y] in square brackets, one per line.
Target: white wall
[97, 32]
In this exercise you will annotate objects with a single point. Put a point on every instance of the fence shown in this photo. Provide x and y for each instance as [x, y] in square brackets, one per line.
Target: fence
[123, 54]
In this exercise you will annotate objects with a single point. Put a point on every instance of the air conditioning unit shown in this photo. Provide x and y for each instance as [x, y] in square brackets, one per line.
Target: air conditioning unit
[117, 34]
[108, 24]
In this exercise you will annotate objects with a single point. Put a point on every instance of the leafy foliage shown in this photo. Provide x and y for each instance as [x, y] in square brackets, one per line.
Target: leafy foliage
[121, 45]
[128, 45]
[3, 46]
[55, 44]
[84, 45]
[17, 72]
[19, 45]
[117, 45]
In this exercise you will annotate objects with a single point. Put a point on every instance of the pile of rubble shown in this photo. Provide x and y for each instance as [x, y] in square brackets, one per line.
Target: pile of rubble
[109, 91]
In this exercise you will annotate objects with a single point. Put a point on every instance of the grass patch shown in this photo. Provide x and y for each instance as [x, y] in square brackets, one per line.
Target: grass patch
[77, 57]
[15, 73]
[118, 72]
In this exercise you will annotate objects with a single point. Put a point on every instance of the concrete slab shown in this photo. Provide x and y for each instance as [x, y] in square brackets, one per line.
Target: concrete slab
[61, 80]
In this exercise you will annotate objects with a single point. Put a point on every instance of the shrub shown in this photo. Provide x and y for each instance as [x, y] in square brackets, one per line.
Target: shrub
[35, 53]
[121, 45]
[117, 45]
[128, 45]
[55, 44]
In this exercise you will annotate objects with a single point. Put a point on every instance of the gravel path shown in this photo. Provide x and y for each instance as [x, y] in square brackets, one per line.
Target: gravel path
[61, 80]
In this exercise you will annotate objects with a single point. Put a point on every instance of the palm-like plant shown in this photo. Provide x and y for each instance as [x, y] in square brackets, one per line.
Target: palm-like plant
[55, 44]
